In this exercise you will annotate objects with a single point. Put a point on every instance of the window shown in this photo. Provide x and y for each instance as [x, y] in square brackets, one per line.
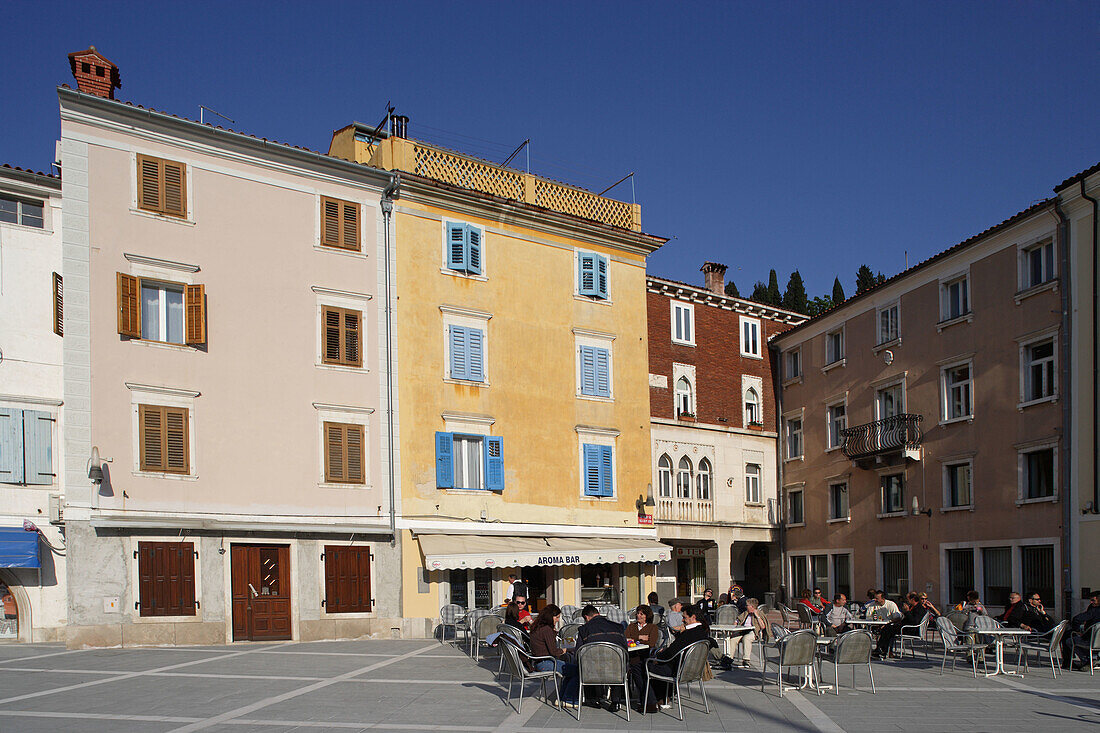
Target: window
[343, 336]
[958, 384]
[752, 407]
[683, 478]
[750, 337]
[794, 438]
[1037, 266]
[1038, 469]
[800, 577]
[160, 311]
[838, 501]
[595, 371]
[463, 248]
[339, 224]
[795, 514]
[837, 417]
[163, 439]
[703, 480]
[162, 186]
[957, 485]
[1039, 381]
[960, 574]
[592, 275]
[598, 469]
[344, 462]
[347, 579]
[895, 573]
[842, 574]
[752, 483]
[19, 211]
[58, 305]
[888, 324]
[467, 353]
[955, 298]
[792, 364]
[996, 575]
[684, 398]
[1037, 570]
[683, 323]
[166, 578]
[456, 579]
[890, 401]
[469, 461]
[664, 476]
[26, 447]
[893, 493]
[834, 346]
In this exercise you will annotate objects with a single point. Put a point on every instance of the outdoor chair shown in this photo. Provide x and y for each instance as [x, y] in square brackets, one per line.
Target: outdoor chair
[913, 633]
[519, 635]
[666, 638]
[568, 612]
[450, 615]
[1093, 647]
[788, 616]
[614, 613]
[521, 665]
[977, 623]
[1050, 642]
[853, 648]
[469, 627]
[568, 632]
[955, 643]
[484, 626]
[603, 663]
[959, 619]
[691, 667]
[796, 649]
[764, 608]
[726, 615]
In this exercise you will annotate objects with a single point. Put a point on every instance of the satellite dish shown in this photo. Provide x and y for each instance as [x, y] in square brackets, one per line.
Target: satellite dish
[888, 357]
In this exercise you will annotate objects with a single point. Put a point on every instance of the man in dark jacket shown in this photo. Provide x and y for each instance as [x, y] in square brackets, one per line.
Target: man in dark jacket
[1015, 612]
[600, 628]
[912, 614]
[1036, 618]
[665, 662]
[1078, 640]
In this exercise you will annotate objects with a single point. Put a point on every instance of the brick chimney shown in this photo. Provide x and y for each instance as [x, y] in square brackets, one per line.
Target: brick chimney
[94, 73]
[714, 275]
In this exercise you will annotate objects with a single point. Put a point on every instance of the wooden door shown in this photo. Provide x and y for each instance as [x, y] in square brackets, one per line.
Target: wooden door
[261, 592]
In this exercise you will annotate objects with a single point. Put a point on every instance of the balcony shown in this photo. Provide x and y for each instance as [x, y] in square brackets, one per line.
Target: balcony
[684, 510]
[899, 434]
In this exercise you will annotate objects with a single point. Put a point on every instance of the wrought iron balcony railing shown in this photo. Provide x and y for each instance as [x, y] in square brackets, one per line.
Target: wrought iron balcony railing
[900, 433]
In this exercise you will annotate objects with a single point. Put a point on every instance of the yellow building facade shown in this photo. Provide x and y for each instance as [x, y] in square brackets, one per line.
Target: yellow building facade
[522, 383]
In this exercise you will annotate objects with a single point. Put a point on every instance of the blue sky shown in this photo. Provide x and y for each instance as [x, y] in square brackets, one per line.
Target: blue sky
[815, 136]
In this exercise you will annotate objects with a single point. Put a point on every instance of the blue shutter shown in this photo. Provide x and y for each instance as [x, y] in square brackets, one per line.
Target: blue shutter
[591, 470]
[11, 446]
[588, 370]
[601, 277]
[494, 463]
[586, 274]
[459, 353]
[38, 447]
[456, 246]
[475, 355]
[444, 460]
[473, 249]
[603, 372]
[606, 481]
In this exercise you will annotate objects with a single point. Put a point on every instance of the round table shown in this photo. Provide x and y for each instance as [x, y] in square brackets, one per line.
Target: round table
[999, 646]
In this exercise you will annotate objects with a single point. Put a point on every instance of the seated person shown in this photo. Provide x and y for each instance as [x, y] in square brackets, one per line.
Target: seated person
[838, 616]
[1016, 612]
[884, 608]
[643, 631]
[525, 617]
[972, 604]
[869, 603]
[912, 614]
[511, 616]
[1077, 641]
[708, 605]
[1038, 621]
[807, 601]
[761, 628]
[600, 628]
[922, 601]
[675, 619]
[665, 662]
[739, 598]
[544, 643]
[654, 604]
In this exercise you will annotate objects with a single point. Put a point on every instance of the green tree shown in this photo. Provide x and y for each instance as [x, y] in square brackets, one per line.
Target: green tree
[731, 289]
[759, 293]
[838, 292]
[818, 305]
[865, 279]
[774, 296]
[795, 297]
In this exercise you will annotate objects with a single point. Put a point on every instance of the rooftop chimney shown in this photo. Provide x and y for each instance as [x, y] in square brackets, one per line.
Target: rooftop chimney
[714, 275]
[400, 126]
[94, 73]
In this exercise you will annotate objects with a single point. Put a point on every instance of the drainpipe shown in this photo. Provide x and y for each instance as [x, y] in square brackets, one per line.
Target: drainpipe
[1067, 421]
[391, 193]
[777, 387]
[1095, 321]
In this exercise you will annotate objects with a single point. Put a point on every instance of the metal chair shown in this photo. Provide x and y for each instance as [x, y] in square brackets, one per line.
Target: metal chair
[469, 627]
[614, 613]
[1050, 642]
[805, 618]
[603, 663]
[853, 648]
[517, 660]
[726, 614]
[764, 608]
[519, 635]
[568, 632]
[484, 626]
[450, 615]
[796, 649]
[954, 644]
[567, 612]
[690, 668]
[788, 616]
[907, 632]
[959, 619]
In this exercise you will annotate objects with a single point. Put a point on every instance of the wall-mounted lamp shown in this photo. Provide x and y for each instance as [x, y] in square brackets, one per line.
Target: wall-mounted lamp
[645, 502]
[917, 511]
[1088, 508]
[95, 467]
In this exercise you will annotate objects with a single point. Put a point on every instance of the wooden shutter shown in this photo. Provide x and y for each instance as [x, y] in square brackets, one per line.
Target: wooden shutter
[11, 445]
[347, 579]
[475, 355]
[166, 578]
[38, 447]
[334, 453]
[603, 372]
[473, 249]
[151, 428]
[586, 273]
[444, 460]
[58, 305]
[352, 338]
[459, 357]
[195, 305]
[344, 453]
[162, 186]
[339, 224]
[606, 481]
[175, 188]
[330, 222]
[494, 463]
[175, 433]
[601, 277]
[331, 351]
[343, 337]
[129, 306]
[349, 237]
[591, 470]
[354, 454]
[149, 183]
[588, 370]
[456, 246]
[163, 439]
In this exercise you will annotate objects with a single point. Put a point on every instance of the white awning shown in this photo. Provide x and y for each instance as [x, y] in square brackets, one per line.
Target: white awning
[459, 552]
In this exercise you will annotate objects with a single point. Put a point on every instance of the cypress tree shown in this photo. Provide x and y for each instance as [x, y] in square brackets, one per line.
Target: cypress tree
[838, 292]
[731, 289]
[774, 296]
[795, 297]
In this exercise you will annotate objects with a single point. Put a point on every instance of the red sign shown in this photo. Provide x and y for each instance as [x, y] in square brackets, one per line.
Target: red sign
[645, 519]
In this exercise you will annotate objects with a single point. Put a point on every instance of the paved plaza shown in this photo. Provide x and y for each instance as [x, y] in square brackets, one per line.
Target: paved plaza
[422, 685]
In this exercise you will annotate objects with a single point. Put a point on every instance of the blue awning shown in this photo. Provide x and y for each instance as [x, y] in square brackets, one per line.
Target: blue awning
[18, 548]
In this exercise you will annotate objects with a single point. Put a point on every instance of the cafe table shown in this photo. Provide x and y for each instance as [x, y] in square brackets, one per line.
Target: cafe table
[999, 646]
[725, 632]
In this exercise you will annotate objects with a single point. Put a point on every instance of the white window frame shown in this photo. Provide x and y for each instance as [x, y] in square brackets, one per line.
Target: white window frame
[147, 394]
[468, 318]
[800, 418]
[689, 310]
[189, 181]
[362, 208]
[756, 384]
[948, 466]
[790, 355]
[19, 201]
[350, 301]
[671, 477]
[946, 319]
[1022, 451]
[598, 436]
[685, 371]
[751, 330]
[842, 358]
[829, 424]
[945, 395]
[883, 511]
[1026, 344]
[881, 341]
[577, 277]
[599, 340]
[847, 501]
[678, 489]
[349, 415]
[880, 389]
[1024, 251]
[709, 475]
[443, 244]
[799, 489]
[162, 287]
[757, 485]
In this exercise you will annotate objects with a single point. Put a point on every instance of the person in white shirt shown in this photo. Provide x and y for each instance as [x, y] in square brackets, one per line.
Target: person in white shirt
[514, 585]
[884, 608]
[839, 615]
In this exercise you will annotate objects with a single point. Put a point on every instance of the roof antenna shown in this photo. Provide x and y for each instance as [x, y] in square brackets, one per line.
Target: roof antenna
[213, 111]
[525, 144]
[382, 123]
[629, 175]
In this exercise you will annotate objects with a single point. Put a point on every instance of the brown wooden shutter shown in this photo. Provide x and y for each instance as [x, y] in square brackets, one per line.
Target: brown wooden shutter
[176, 448]
[347, 579]
[195, 305]
[175, 188]
[332, 352]
[353, 338]
[166, 578]
[58, 305]
[149, 184]
[354, 453]
[339, 224]
[334, 452]
[151, 428]
[330, 222]
[163, 439]
[342, 337]
[332, 580]
[129, 305]
[350, 235]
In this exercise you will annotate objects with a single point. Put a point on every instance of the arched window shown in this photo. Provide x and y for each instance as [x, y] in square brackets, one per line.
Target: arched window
[683, 479]
[703, 480]
[683, 397]
[752, 406]
[664, 476]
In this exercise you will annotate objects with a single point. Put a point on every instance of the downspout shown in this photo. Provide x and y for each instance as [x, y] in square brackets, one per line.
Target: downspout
[1067, 417]
[780, 518]
[391, 193]
[1095, 321]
